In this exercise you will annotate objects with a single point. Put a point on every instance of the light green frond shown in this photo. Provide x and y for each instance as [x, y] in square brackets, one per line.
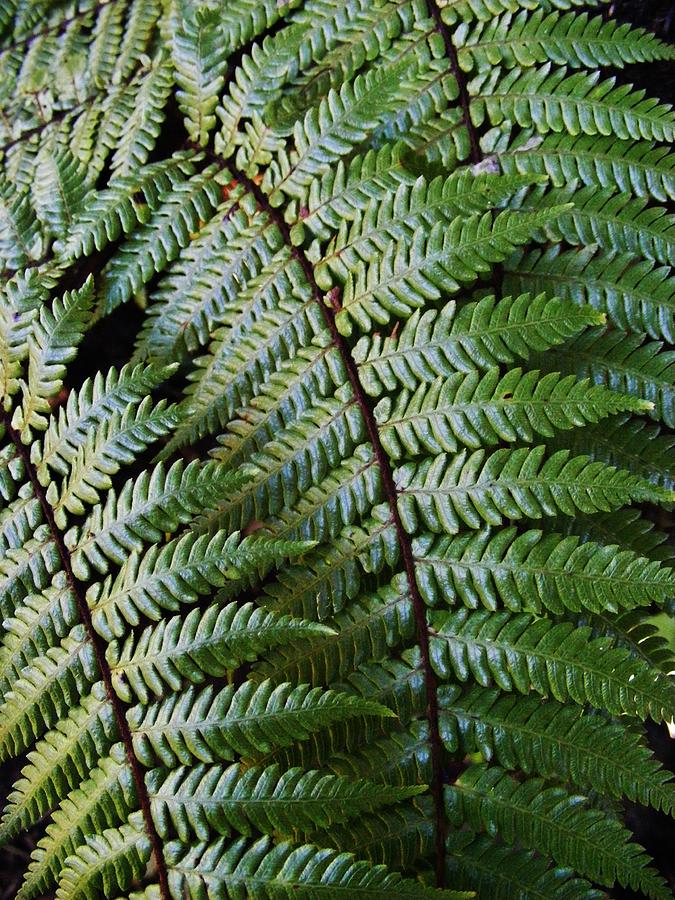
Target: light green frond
[55, 335]
[146, 508]
[623, 362]
[20, 302]
[91, 407]
[530, 38]
[107, 796]
[61, 759]
[204, 643]
[482, 410]
[46, 691]
[548, 99]
[117, 442]
[178, 572]
[110, 860]
[199, 58]
[635, 295]
[156, 243]
[129, 201]
[635, 167]
[59, 188]
[283, 870]
[250, 721]
[396, 216]
[445, 493]
[330, 130]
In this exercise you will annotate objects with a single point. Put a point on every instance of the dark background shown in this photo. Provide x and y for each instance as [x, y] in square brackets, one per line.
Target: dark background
[654, 830]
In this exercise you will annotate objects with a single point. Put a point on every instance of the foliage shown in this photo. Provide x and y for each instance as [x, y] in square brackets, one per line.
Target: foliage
[344, 581]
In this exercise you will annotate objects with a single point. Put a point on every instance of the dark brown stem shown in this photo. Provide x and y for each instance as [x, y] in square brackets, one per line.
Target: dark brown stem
[464, 99]
[99, 651]
[392, 499]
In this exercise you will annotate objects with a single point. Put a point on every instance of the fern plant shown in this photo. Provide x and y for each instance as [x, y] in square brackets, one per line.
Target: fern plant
[369, 610]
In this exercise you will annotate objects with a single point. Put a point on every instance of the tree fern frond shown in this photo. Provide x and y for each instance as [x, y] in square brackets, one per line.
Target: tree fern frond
[62, 758]
[635, 294]
[498, 871]
[104, 798]
[54, 340]
[168, 230]
[540, 817]
[477, 411]
[108, 214]
[212, 726]
[207, 800]
[637, 167]
[572, 39]
[118, 442]
[44, 694]
[154, 504]
[442, 493]
[179, 572]
[518, 652]
[341, 613]
[114, 857]
[623, 362]
[92, 406]
[411, 273]
[208, 643]
[474, 336]
[530, 570]
[283, 871]
[199, 58]
[548, 99]
[572, 745]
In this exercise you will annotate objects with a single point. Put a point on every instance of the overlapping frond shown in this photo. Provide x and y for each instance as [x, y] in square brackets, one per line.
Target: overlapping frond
[347, 582]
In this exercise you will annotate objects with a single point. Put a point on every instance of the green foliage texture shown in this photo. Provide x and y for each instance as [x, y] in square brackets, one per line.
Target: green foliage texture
[342, 583]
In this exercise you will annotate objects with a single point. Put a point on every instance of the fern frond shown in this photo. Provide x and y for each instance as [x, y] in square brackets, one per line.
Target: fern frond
[57, 332]
[498, 871]
[635, 295]
[207, 800]
[199, 59]
[146, 508]
[548, 99]
[573, 745]
[530, 570]
[573, 39]
[212, 726]
[622, 362]
[477, 411]
[636, 167]
[411, 273]
[282, 870]
[168, 230]
[442, 493]
[518, 652]
[116, 856]
[104, 798]
[474, 336]
[208, 643]
[543, 817]
[129, 201]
